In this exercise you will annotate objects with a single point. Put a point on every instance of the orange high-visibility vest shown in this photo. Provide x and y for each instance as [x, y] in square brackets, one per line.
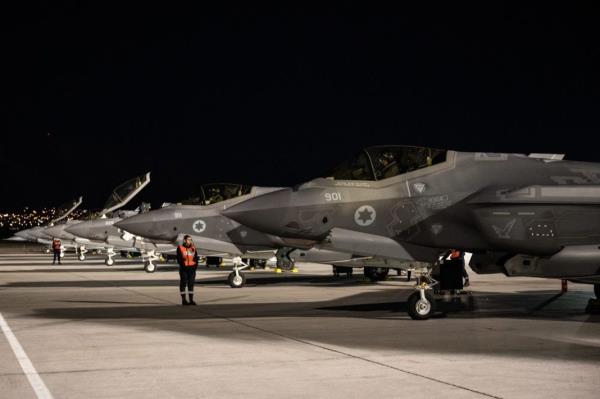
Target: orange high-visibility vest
[189, 255]
[455, 254]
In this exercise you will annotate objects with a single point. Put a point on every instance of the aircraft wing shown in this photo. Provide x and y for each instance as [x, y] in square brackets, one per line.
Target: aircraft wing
[364, 244]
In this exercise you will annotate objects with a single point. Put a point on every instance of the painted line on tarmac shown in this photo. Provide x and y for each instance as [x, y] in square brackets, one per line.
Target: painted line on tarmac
[41, 390]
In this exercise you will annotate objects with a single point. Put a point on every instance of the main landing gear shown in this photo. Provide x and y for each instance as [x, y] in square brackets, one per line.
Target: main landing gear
[237, 279]
[376, 273]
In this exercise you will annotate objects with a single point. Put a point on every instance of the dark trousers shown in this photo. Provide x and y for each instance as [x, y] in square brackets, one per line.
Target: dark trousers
[187, 277]
[56, 257]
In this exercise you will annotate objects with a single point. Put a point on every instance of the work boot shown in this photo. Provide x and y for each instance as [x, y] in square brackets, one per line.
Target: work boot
[184, 301]
[192, 299]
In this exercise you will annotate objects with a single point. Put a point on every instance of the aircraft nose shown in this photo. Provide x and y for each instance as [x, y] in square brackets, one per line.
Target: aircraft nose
[267, 213]
[54, 231]
[79, 229]
[138, 224]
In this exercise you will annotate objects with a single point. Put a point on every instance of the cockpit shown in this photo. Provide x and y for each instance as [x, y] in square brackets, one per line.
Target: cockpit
[383, 162]
[65, 209]
[122, 193]
[216, 192]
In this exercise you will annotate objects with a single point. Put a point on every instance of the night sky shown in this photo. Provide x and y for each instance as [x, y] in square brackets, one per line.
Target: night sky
[91, 96]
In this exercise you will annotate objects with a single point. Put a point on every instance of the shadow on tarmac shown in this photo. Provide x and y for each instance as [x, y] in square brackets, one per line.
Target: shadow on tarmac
[340, 324]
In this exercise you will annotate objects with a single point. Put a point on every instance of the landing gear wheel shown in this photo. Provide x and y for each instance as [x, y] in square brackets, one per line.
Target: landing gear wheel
[419, 309]
[597, 290]
[82, 257]
[236, 281]
[109, 261]
[149, 267]
[376, 273]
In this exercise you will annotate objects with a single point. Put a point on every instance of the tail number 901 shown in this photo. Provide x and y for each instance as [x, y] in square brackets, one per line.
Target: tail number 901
[333, 196]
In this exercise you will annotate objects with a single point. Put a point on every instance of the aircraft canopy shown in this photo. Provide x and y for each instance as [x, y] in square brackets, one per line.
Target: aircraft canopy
[383, 162]
[216, 192]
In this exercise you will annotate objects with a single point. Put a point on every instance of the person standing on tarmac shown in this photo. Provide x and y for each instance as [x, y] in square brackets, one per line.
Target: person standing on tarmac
[459, 256]
[56, 244]
[187, 257]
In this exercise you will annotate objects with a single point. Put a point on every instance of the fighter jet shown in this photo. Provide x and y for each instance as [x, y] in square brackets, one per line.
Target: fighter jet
[217, 235]
[522, 215]
[100, 228]
[40, 235]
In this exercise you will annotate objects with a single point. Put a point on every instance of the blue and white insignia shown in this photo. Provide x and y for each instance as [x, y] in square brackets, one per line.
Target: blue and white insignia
[419, 187]
[199, 226]
[365, 215]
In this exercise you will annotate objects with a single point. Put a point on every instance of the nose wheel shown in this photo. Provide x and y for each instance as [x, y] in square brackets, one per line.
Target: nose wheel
[109, 261]
[422, 304]
[236, 278]
[149, 259]
[82, 252]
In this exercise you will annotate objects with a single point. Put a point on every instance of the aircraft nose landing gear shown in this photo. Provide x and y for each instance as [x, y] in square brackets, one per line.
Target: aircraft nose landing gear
[109, 257]
[237, 279]
[421, 303]
[149, 259]
[82, 252]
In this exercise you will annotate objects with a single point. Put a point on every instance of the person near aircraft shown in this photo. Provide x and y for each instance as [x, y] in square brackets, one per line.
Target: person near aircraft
[459, 257]
[187, 257]
[56, 244]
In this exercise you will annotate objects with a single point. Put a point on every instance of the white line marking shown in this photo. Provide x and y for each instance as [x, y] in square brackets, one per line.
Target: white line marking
[41, 390]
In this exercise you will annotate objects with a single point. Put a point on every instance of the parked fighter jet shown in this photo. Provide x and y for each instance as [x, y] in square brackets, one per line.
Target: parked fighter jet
[217, 235]
[40, 235]
[100, 229]
[535, 215]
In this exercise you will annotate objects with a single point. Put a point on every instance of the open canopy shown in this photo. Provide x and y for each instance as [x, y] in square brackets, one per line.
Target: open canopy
[125, 192]
[64, 210]
[383, 162]
[207, 194]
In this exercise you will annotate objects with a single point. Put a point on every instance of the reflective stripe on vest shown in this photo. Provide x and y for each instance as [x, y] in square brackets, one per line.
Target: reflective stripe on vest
[188, 255]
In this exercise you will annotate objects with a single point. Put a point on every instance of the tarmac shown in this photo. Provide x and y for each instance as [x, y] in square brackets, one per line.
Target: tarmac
[92, 331]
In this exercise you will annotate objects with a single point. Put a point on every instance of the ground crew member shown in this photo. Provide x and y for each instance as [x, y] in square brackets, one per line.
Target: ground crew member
[459, 256]
[56, 244]
[187, 257]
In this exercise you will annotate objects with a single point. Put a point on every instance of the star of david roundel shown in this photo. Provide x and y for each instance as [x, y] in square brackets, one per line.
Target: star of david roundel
[365, 215]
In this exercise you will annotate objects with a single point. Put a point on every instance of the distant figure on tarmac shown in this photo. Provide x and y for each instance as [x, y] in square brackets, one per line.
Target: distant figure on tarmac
[187, 257]
[56, 244]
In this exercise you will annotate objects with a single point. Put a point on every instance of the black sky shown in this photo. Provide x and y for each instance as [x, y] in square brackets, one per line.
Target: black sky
[94, 95]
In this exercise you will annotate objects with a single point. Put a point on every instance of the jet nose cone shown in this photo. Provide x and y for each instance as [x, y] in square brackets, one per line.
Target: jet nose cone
[138, 224]
[79, 229]
[267, 213]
